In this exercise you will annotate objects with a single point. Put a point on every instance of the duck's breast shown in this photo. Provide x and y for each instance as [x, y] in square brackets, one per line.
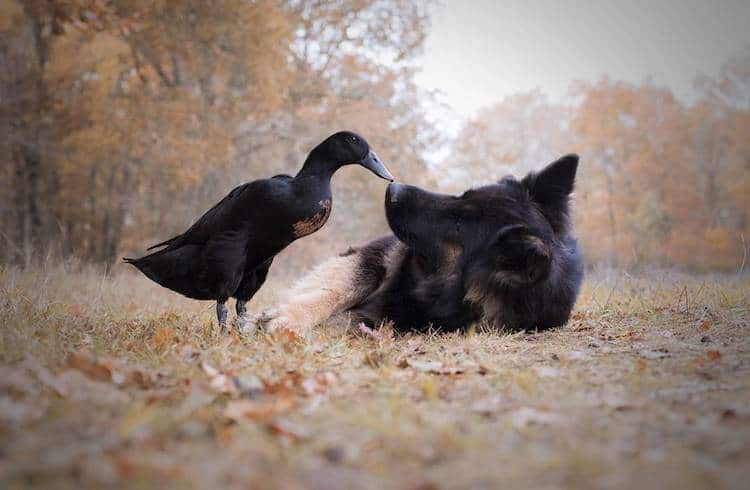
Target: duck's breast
[314, 220]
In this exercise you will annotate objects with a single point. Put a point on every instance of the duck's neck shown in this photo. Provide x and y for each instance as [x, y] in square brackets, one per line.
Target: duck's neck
[317, 167]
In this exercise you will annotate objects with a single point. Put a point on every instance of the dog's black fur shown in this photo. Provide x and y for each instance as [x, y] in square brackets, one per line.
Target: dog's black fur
[502, 254]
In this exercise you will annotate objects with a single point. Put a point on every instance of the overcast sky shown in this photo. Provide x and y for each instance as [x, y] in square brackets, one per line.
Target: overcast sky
[479, 51]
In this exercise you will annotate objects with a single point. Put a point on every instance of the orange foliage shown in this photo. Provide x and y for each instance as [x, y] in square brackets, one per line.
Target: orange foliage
[660, 183]
[141, 114]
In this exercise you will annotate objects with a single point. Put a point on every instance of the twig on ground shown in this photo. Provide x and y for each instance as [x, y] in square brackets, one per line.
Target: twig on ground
[614, 286]
[744, 255]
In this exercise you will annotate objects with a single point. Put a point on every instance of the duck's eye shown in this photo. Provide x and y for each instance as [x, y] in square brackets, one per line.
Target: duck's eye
[355, 139]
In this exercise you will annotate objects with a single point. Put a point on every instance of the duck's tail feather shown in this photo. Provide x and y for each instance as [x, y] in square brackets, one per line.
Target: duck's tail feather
[165, 242]
[173, 269]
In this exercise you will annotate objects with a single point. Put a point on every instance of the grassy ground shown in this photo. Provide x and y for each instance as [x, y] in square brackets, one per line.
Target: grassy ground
[113, 382]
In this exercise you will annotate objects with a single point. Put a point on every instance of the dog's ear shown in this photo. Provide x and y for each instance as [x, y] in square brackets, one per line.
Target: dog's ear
[551, 188]
[523, 258]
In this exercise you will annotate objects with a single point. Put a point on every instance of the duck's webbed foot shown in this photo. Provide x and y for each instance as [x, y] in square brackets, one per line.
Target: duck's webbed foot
[221, 314]
[246, 324]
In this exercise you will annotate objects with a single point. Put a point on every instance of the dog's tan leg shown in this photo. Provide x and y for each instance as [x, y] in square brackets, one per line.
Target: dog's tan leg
[330, 288]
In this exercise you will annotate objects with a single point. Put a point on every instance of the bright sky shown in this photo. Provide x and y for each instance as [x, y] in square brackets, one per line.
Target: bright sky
[480, 51]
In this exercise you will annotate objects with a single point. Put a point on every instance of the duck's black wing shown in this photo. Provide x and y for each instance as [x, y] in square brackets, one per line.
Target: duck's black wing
[223, 215]
[208, 260]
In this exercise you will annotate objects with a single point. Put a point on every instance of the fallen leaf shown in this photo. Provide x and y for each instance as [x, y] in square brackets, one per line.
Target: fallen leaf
[288, 337]
[90, 365]
[283, 427]
[262, 409]
[318, 383]
[225, 435]
[641, 365]
[705, 325]
[124, 466]
[288, 384]
[141, 378]
[714, 355]
[163, 338]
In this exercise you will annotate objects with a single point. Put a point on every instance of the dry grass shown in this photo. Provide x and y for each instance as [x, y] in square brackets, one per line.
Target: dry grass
[647, 387]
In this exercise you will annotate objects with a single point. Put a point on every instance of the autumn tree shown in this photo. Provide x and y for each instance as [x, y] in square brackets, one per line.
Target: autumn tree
[130, 117]
[514, 136]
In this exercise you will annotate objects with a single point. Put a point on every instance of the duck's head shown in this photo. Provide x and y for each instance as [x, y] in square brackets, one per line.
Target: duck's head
[346, 148]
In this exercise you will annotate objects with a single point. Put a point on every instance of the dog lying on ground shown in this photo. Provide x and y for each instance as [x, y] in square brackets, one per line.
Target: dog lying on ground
[501, 254]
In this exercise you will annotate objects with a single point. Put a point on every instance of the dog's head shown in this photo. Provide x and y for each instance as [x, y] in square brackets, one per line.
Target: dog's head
[508, 230]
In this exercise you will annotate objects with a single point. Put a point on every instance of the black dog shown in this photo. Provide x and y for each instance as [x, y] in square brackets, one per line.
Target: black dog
[502, 254]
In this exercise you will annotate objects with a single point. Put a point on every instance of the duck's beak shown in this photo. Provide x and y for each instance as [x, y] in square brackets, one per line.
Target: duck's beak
[372, 163]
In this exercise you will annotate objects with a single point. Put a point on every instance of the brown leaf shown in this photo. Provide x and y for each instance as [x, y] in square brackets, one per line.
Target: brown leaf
[641, 365]
[262, 409]
[88, 364]
[283, 427]
[705, 325]
[163, 338]
[285, 385]
[714, 355]
[318, 383]
[142, 379]
[288, 337]
[225, 435]
[125, 467]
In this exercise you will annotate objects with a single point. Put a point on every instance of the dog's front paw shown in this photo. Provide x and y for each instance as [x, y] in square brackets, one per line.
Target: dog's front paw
[269, 320]
[266, 316]
[277, 323]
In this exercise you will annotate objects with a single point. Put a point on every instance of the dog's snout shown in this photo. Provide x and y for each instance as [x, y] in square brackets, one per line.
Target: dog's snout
[394, 189]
